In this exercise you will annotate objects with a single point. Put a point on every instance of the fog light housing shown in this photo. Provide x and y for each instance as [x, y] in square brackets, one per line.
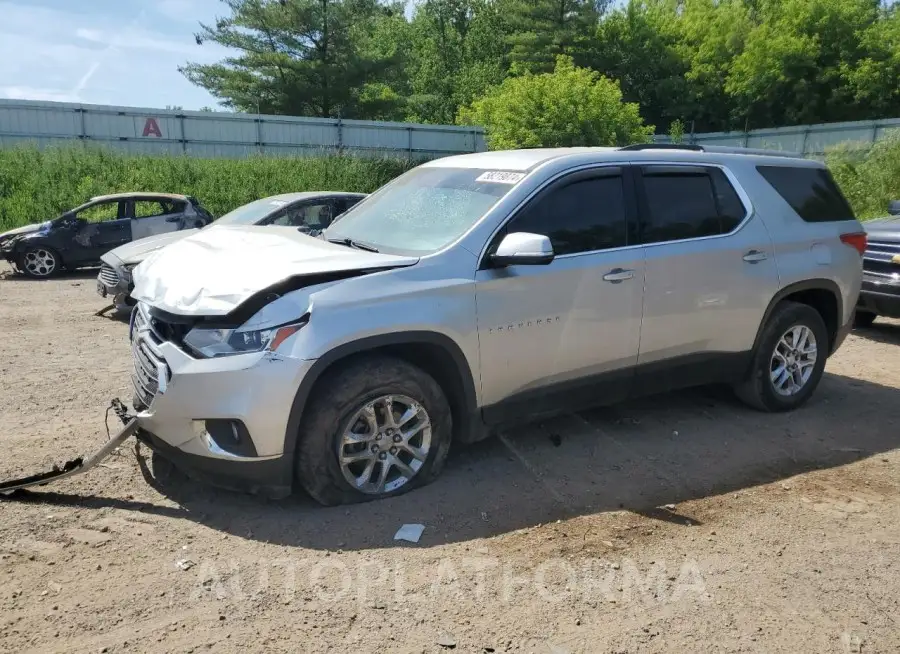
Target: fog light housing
[230, 436]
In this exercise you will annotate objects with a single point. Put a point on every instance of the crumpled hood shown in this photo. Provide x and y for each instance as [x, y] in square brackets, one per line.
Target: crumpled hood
[137, 251]
[217, 268]
[27, 229]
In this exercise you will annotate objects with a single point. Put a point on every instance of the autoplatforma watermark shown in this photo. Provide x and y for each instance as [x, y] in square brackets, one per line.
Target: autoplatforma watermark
[364, 581]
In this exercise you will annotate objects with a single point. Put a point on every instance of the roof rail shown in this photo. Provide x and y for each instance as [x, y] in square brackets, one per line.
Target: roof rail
[636, 147]
[712, 149]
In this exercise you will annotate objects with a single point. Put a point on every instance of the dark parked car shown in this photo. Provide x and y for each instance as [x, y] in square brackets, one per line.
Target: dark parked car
[310, 211]
[82, 235]
[880, 293]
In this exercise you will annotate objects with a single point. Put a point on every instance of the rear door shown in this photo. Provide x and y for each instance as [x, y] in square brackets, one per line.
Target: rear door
[153, 216]
[710, 274]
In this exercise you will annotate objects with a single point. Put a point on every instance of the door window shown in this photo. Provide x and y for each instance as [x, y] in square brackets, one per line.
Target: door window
[314, 216]
[691, 202]
[100, 212]
[581, 216]
[149, 209]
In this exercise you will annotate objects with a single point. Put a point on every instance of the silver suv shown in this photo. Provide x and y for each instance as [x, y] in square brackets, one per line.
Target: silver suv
[480, 289]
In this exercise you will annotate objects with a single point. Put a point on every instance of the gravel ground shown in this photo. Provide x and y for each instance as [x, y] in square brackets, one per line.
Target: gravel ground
[680, 523]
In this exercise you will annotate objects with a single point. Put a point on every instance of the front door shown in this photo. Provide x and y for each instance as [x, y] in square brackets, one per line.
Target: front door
[710, 274]
[564, 334]
[106, 227]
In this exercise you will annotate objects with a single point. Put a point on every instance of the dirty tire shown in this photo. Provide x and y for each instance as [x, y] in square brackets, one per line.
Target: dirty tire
[336, 399]
[40, 262]
[758, 390]
[864, 319]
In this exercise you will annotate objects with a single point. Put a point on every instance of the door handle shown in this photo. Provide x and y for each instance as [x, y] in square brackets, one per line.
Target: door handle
[755, 256]
[618, 275]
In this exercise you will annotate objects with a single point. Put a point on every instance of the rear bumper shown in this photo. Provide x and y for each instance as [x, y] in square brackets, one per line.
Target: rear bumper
[271, 478]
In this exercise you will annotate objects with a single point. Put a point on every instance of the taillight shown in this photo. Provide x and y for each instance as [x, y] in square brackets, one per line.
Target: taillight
[857, 241]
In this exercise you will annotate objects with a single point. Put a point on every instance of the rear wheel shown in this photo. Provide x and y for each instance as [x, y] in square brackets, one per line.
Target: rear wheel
[376, 428]
[40, 262]
[864, 319]
[789, 360]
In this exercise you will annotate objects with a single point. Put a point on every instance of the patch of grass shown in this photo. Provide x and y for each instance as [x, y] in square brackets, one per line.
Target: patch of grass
[869, 178]
[38, 185]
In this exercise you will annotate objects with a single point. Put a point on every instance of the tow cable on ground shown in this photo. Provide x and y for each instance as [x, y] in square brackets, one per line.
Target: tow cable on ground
[81, 464]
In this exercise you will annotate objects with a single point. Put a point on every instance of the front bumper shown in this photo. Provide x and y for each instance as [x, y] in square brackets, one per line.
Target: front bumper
[880, 298]
[271, 478]
[255, 390]
[114, 280]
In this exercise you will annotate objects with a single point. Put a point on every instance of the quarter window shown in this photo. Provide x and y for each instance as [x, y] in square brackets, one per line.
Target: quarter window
[690, 203]
[584, 215]
[811, 192]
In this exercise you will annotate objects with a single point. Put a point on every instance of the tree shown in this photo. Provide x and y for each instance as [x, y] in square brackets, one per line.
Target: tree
[299, 57]
[541, 30]
[637, 46]
[569, 107]
[793, 67]
[457, 53]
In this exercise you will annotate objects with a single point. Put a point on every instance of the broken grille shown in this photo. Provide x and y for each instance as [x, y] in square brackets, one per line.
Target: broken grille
[108, 275]
[145, 376]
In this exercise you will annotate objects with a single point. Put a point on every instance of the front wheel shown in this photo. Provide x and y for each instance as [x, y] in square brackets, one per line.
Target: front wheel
[40, 262]
[375, 428]
[789, 360]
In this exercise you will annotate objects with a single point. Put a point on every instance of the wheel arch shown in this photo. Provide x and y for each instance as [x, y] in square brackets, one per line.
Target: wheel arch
[823, 295]
[435, 353]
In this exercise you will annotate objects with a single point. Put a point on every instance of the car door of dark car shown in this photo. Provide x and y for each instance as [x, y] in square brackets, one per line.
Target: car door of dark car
[105, 226]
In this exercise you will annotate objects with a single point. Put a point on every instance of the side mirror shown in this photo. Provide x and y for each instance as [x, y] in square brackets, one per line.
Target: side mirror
[523, 249]
[894, 207]
[173, 219]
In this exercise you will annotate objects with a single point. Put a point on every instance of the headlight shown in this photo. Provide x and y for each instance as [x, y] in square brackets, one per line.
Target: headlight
[127, 268]
[225, 342]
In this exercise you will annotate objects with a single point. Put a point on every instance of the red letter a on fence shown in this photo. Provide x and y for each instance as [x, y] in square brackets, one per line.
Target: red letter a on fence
[150, 127]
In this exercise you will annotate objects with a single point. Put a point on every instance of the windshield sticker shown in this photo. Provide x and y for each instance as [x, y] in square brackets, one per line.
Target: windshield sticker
[501, 177]
[278, 203]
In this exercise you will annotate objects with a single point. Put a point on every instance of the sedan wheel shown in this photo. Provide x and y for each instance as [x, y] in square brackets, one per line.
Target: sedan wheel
[40, 262]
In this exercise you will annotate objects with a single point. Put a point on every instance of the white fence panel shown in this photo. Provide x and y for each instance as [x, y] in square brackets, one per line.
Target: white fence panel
[221, 134]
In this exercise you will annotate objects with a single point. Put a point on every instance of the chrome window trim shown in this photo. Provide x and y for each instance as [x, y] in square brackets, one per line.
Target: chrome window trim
[732, 178]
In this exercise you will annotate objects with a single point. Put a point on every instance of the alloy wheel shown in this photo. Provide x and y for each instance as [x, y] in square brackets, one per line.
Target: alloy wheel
[793, 360]
[386, 443]
[40, 262]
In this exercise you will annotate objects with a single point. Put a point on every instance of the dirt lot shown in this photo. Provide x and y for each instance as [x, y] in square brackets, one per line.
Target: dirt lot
[679, 523]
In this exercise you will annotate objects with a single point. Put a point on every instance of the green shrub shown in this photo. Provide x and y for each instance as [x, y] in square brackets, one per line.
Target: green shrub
[37, 185]
[869, 178]
[569, 107]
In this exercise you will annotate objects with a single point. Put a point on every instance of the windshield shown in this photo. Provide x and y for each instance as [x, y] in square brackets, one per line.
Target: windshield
[424, 209]
[253, 213]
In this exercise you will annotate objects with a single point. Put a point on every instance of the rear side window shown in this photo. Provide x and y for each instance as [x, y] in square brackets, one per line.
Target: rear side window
[582, 216]
[811, 192]
[683, 203]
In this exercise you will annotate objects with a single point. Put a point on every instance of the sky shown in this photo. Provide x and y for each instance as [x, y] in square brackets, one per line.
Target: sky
[119, 52]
